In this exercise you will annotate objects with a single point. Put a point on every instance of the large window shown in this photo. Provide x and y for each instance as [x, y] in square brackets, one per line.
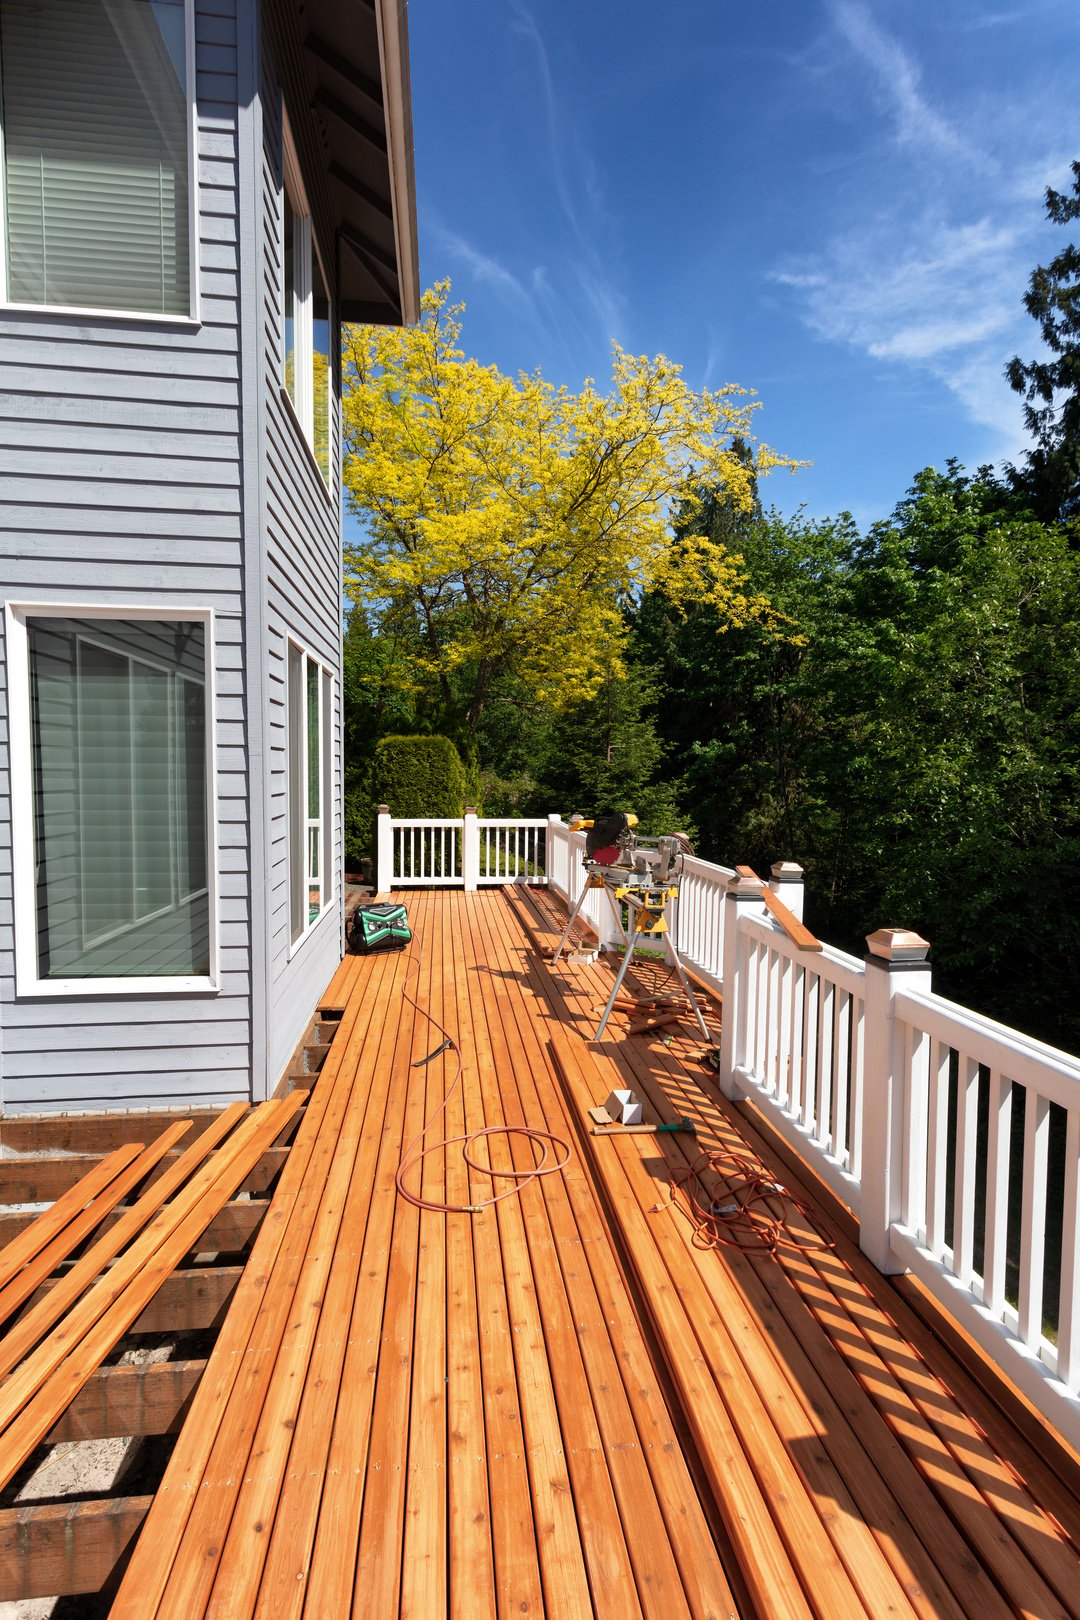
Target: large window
[96, 128]
[308, 375]
[114, 860]
[310, 792]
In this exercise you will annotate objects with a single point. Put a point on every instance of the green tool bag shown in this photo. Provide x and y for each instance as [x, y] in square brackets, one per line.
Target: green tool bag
[380, 925]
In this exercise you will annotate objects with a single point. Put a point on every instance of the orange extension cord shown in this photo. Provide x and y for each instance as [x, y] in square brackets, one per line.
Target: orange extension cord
[752, 1214]
[415, 1153]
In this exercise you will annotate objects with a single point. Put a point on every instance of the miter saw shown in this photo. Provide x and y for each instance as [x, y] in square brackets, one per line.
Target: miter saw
[642, 874]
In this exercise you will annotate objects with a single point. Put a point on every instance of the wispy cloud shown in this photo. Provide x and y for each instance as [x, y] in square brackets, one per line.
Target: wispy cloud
[898, 78]
[577, 186]
[927, 295]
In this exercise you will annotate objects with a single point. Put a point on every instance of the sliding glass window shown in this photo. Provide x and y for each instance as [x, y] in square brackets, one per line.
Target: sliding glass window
[118, 745]
[97, 139]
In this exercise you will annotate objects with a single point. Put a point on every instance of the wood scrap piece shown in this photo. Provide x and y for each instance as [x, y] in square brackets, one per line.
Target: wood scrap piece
[644, 1026]
[44, 1228]
[40, 1318]
[23, 1284]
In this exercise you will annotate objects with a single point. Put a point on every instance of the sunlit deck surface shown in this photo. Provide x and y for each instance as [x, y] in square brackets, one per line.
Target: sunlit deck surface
[561, 1405]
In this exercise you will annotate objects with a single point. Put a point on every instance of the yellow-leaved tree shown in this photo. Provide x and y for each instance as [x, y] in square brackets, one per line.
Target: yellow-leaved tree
[506, 522]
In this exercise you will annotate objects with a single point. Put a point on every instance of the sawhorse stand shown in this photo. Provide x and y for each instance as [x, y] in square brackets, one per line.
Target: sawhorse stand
[646, 909]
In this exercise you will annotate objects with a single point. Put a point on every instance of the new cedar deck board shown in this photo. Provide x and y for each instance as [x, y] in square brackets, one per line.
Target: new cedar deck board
[1009, 1572]
[329, 1391]
[278, 1444]
[369, 1355]
[557, 1534]
[231, 1460]
[668, 1582]
[469, 1527]
[960, 1446]
[539, 1286]
[604, 1551]
[515, 1557]
[235, 1352]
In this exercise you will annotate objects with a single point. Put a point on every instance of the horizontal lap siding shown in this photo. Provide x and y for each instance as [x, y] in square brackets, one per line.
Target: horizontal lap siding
[120, 481]
[302, 601]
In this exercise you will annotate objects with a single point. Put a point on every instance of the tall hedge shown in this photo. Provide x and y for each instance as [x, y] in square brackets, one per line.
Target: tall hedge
[419, 776]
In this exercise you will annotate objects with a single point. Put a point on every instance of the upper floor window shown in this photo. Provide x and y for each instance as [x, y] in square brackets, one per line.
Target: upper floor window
[308, 368]
[97, 154]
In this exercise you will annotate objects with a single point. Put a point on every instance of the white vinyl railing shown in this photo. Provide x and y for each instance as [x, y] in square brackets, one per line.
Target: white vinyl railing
[509, 851]
[953, 1139]
[440, 852]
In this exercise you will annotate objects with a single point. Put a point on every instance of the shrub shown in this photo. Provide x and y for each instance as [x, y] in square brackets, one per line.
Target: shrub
[419, 776]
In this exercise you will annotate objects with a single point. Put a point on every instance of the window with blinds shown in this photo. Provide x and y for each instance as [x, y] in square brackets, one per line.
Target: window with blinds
[119, 769]
[96, 154]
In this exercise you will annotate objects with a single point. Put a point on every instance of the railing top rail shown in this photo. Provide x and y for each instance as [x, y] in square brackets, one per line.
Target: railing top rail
[844, 970]
[512, 821]
[425, 821]
[698, 867]
[986, 1040]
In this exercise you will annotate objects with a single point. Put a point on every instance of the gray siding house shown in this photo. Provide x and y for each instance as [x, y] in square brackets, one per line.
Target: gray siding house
[195, 193]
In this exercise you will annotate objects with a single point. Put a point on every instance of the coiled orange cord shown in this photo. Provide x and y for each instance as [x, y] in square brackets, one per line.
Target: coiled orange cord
[415, 1153]
[752, 1213]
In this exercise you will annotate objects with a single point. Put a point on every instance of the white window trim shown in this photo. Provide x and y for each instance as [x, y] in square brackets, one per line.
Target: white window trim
[194, 315]
[28, 984]
[305, 253]
[325, 733]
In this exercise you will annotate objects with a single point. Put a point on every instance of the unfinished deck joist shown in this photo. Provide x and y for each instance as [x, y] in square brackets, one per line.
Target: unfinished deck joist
[560, 1405]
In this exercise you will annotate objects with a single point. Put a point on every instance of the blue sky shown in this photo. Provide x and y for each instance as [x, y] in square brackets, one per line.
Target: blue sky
[836, 203]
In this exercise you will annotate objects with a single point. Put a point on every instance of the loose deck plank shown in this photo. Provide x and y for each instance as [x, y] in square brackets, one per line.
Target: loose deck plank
[38, 1391]
[44, 1228]
[51, 1253]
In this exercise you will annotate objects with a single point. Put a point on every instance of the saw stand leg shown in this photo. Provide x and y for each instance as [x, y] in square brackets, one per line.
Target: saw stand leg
[572, 918]
[680, 970]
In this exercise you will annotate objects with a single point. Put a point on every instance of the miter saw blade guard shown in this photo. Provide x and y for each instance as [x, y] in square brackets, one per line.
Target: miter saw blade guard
[606, 839]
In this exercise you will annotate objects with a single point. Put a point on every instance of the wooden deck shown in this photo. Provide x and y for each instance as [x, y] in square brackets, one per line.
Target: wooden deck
[563, 1404]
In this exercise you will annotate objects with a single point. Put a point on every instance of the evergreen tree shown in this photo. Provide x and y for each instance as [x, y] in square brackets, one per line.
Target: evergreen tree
[1050, 480]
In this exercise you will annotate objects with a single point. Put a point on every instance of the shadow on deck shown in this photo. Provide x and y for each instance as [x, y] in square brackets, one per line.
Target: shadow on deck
[567, 1403]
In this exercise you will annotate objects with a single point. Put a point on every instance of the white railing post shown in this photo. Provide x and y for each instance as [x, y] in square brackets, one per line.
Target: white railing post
[743, 897]
[897, 958]
[786, 882]
[470, 850]
[384, 852]
[555, 853]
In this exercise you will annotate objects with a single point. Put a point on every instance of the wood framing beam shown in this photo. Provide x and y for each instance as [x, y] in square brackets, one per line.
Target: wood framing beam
[130, 1401]
[97, 1133]
[55, 1549]
[228, 1233]
[187, 1300]
[41, 1179]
